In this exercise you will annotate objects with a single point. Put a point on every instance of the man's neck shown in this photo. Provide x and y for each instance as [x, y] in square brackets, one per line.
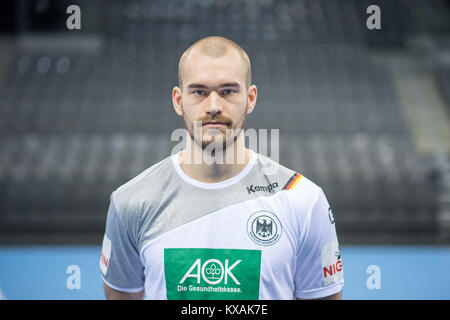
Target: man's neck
[207, 169]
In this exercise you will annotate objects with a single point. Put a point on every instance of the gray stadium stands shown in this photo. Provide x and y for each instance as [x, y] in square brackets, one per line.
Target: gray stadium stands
[77, 122]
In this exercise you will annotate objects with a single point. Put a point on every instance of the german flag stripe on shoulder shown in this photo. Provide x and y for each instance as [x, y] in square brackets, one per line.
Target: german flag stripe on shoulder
[293, 181]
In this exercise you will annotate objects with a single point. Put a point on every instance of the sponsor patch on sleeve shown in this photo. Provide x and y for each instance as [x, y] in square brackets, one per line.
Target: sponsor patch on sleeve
[332, 270]
[105, 255]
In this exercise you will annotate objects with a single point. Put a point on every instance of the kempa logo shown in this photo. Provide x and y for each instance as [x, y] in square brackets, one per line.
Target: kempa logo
[211, 271]
[252, 189]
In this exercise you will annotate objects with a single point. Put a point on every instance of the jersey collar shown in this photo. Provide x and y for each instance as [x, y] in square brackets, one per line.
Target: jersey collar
[214, 185]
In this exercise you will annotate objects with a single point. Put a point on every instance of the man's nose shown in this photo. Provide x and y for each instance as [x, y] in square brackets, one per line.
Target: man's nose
[214, 103]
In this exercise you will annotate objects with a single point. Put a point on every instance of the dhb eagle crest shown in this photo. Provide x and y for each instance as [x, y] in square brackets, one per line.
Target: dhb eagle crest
[264, 227]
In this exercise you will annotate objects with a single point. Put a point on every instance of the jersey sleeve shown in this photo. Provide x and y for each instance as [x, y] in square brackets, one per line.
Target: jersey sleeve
[319, 271]
[120, 264]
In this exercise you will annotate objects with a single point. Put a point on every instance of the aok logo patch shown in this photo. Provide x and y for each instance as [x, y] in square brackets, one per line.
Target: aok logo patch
[203, 274]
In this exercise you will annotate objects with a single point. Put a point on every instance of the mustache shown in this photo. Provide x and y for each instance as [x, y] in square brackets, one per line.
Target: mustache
[218, 118]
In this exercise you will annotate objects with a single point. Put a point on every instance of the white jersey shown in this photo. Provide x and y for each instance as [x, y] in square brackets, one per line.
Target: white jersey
[254, 236]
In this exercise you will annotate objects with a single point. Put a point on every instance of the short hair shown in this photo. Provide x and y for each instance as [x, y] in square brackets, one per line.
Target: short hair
[215, 46]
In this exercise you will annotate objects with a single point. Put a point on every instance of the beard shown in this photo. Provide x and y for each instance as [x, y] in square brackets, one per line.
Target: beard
[217, 138]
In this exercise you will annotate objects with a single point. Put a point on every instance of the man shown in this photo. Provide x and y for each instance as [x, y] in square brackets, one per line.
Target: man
[204, 229]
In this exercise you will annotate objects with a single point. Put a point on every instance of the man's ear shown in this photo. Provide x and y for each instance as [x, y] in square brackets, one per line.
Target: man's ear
[176, 101]
[251, 98]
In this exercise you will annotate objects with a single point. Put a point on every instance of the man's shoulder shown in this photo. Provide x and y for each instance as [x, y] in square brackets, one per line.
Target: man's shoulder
[298, 192]
[286, 178]
[147, 185]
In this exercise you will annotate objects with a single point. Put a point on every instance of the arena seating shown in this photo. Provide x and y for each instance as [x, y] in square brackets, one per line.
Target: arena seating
[76, 123]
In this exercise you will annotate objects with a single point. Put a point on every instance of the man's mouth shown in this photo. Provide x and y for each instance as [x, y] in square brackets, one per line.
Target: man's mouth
[214, 124]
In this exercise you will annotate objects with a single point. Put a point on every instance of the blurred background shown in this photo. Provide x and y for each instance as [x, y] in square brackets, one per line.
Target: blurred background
[363, 113]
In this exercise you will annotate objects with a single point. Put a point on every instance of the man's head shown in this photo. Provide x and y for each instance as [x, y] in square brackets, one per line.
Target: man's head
[215, 88]
[215, 47]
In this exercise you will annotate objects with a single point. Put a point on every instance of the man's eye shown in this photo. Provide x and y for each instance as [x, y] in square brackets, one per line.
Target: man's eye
[227, 92]
[198, 92]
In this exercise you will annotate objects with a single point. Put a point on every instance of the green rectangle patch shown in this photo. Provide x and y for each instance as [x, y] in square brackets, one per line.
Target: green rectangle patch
[205, 274]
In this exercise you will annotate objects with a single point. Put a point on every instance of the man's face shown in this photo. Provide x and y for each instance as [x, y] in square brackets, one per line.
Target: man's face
[214, 97]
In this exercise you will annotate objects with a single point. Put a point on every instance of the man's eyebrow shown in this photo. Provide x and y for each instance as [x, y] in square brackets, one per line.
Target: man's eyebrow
[202, 86]
[230, 84]
[196, 85]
